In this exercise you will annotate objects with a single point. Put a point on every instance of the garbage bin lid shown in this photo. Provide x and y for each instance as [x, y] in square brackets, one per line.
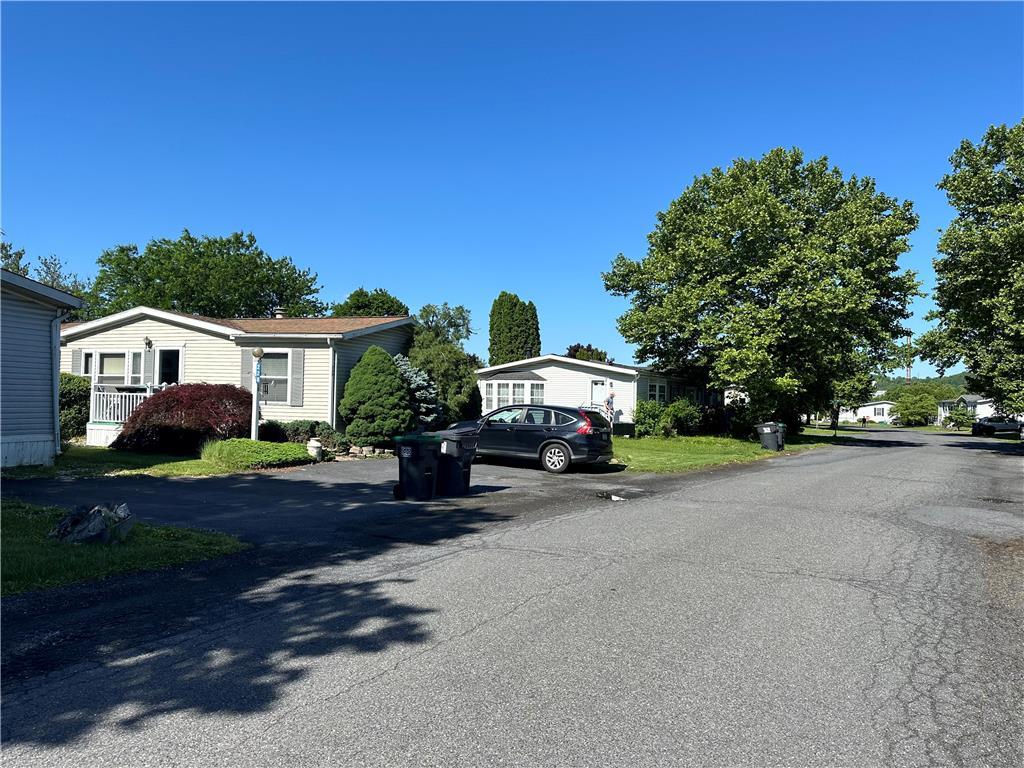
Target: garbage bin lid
[426, 437]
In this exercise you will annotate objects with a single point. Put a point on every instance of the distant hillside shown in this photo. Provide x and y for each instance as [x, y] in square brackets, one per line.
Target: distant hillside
[956, 380]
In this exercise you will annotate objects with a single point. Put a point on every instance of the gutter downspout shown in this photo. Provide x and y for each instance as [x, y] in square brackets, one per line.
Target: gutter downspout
[55, 374]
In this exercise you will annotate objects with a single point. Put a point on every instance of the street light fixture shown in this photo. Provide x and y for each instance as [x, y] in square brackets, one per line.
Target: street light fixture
[257, 371]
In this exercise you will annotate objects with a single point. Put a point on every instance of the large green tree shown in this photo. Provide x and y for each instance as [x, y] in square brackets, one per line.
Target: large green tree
[778, 276]
[375, 303]
[376, 405]
[437, 350]
[50, 270]
[214, 276]
[514, 329]
[13, 259]
[980, 272]
[587, 352]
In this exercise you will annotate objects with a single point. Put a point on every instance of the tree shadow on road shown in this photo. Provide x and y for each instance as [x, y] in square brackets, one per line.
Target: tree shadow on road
[227, 636]
[1007, 446]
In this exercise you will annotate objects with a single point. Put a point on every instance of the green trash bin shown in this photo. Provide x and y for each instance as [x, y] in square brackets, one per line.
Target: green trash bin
[417, 466]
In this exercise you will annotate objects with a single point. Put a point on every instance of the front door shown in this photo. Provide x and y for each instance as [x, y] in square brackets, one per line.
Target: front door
[168, 366]
[598, 391]
[498, 434]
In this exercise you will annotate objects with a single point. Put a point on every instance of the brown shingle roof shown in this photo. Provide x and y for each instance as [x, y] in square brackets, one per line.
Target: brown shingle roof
[315, 325]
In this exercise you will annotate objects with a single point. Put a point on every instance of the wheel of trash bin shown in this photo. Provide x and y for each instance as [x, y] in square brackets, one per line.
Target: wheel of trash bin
[555, 458]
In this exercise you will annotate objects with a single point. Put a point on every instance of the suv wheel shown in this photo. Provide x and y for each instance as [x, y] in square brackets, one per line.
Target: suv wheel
[555, 458]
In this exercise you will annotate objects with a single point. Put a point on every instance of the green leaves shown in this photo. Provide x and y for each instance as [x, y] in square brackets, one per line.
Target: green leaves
[776, 275]
[376, 404]
[375, 303]
[514, 329]
[980, 273]
[213, 276]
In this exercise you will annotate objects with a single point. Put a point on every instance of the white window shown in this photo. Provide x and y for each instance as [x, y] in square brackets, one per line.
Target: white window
[657, 392]
[87, 364]
[502, 394]
[168, 366]
[518, 392]
[274, 377]
[111, 368]
[879, 411]
[488, 396]
[135, 376]
[536, 394]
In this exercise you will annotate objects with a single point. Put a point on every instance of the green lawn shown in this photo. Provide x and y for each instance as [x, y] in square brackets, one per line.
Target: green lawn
[30, 560]
[86, 461]
[678, 454]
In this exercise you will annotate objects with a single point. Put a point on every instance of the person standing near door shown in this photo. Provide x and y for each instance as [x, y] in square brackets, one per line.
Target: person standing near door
[609, 405]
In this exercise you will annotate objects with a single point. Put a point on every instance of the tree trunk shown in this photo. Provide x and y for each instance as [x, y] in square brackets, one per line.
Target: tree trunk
[835, 419]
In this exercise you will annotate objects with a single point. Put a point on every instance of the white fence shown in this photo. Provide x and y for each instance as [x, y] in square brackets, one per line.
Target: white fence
[114, 407]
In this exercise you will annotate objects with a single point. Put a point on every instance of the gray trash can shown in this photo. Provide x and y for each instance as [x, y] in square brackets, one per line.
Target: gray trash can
[782, 434]
[417, 466]
[769, 434]
[455, 461]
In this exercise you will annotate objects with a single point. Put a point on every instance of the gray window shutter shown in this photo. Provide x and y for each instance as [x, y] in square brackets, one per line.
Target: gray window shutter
[298, 358]
[76, 361]
[148, 366]
[246, 381]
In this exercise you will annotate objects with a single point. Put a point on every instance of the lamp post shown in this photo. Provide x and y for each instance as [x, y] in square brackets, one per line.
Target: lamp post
[257, 372]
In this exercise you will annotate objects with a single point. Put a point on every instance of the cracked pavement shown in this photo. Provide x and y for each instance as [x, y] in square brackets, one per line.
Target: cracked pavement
[857, 605]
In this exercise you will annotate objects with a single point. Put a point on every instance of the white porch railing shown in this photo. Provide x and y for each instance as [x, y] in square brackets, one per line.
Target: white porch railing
[112, 407]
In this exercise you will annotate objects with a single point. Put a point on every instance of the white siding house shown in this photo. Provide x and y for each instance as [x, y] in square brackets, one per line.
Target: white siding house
[30, 315]
[558, 380]
[978, 405]
[877, 411]
[305, 365]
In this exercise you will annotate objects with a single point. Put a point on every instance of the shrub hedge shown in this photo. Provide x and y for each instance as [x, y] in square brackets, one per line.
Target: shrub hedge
[679, 418]
[646, 417]
[376, 406]
[241, 453]
[73, 394]
[181, 419]
[300, 431]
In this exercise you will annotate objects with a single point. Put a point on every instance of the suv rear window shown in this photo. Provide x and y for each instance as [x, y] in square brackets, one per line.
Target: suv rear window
[562, 419]
[598, 420]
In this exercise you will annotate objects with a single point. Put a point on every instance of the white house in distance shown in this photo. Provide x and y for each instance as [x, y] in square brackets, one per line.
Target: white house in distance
[558, 380]
[306, 361]
[30, 315]
[978, 405]
[877, 411]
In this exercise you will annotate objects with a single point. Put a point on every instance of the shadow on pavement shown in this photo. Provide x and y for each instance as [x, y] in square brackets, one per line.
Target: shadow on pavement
[1008, 446]
[225, 636]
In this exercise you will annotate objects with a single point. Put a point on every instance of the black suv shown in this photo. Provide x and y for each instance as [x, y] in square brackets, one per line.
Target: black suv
[555, 435]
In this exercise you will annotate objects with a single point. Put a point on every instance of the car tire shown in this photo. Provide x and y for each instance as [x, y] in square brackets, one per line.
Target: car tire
[989, 432]
[555, 458]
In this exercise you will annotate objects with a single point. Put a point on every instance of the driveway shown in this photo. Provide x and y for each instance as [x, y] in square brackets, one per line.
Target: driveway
[860, 605]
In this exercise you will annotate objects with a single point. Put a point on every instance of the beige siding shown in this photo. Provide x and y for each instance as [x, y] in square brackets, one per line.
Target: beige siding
[394, 341]
[207, 357]
[26, 370]
[316, 389]
[570, 385]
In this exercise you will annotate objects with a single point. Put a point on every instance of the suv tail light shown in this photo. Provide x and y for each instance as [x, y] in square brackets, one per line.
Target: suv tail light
[587, 427]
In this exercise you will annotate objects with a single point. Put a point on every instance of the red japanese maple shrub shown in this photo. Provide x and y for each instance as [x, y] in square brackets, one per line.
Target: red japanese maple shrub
[183, 418]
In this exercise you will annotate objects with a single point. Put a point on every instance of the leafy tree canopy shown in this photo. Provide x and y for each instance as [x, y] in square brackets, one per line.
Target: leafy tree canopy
[375, 303]
[448, 323]
[13, 260]
[51, 271]
[214, 276]
[980, 272]
[514, 329]
[776, 275]
[587, 352]
[914, 408]
[452, 369]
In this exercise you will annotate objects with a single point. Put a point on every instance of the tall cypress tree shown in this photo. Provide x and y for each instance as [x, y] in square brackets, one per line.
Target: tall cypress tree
[514, 329]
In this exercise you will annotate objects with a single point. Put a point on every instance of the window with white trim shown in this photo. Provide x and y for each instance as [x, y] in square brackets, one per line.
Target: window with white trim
[518, 392]
[488, 396]
[879, 411]
[87, 364]
[502, 394]
[111, 368]
[274, 377]
[135, 371]
[657, 392]
[536, 393]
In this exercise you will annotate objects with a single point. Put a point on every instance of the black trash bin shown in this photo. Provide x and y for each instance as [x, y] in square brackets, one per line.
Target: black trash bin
[769, 434]
[455, 461]
[417, 466]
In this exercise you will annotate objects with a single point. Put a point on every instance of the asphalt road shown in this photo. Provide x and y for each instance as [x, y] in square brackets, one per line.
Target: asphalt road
[859, 605]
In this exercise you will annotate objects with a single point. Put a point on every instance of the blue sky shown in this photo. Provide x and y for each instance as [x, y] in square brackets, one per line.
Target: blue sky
[448, 152]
